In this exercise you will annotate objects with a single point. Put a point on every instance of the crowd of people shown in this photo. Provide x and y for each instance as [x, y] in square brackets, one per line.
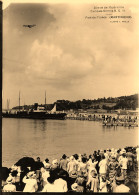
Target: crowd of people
[110, 170]
[118, 119]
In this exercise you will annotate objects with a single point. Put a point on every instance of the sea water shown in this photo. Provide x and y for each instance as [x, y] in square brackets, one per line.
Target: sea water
[53, 138]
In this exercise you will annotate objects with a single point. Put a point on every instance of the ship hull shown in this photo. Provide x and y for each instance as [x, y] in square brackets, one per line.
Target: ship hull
[34, 115]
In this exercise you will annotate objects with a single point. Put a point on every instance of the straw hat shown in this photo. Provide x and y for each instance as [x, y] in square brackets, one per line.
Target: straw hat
[47, 166]
[73, 174]
[71, 158]
[30, 174]
[93, 174]
[123, 150]
[9, 180]
[113, 158]
[54, 162]
[121, 178]
[14, 168]
[74, 186]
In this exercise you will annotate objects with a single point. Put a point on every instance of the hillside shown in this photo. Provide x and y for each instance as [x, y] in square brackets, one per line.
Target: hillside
[110, 103]
[123, 102]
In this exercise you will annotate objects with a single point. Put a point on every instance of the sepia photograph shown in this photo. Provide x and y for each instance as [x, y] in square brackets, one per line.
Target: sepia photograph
[70, 96]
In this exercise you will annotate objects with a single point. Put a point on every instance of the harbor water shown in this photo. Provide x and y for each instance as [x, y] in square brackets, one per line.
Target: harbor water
[52, 138]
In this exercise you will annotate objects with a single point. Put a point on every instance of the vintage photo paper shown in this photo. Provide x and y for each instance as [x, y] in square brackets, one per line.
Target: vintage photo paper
[70, 96]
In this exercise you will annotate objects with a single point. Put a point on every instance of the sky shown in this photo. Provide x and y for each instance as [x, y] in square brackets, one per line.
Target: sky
[66, 55]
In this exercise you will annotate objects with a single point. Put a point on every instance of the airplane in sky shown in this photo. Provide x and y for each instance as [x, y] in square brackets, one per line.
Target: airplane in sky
[29, 25]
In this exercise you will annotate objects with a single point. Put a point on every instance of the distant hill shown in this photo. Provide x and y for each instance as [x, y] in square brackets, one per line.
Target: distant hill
[110, 103]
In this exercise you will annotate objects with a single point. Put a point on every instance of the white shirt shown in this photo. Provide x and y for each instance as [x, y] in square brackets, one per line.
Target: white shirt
[137, 151]
[103, 187]
[122, 188]
[45, 175]
[46, 164]
[61, 185]
[81, 166]
[120, 159]
[92, 167]
[9, 188]
[71, 166]
[103, 166]
[31, 185]
[124, 163]
[49, 188]
[106, 156]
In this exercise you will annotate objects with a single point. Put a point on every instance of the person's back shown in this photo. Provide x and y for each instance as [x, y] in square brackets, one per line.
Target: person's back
[61, 185]
[103, 187]
[81, 166]
[63, 164]
[31, 185]
[120, 185]
[94, 184]
[31, 182]
[92, 167]
[101, 153]
[44, 176]
[49, 187]
[124, 162]
[106, 155]
[130, 155]
[113, 165]
[72, 166]
[103, 166]
[9, 188]
[122, 188]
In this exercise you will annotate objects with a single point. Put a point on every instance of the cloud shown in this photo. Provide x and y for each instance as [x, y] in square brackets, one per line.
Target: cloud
[66, 53]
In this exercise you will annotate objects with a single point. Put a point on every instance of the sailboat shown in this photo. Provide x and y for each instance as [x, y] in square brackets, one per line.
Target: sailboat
[37, 112]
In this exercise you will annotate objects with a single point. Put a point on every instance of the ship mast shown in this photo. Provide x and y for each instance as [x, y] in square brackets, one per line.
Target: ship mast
[45, 100]
[19, 101]
[8, 104]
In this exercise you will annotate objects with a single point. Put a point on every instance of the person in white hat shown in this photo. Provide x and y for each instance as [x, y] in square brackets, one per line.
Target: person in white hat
[31, 182]
[93, 180]
[46, 163]
[61, 185]
[74, 187]
[44, 175]
[55, 164]
[123, 163]
[72, 166]
[103, 185]
[9, 187]
[55, 161]
[103, 166]
[92, 167]
[120, 186]
[63, 162]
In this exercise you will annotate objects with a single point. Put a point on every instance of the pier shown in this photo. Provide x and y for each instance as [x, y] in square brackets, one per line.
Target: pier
[107, 120]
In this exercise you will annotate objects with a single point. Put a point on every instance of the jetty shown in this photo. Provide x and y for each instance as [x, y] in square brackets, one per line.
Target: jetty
[124, 124]
[106, 120]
